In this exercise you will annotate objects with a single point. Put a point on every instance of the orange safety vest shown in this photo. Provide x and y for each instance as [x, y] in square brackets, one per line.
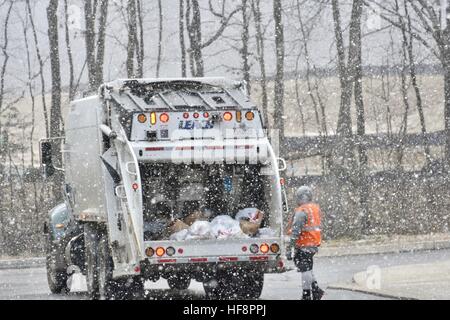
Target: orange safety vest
[311, 232]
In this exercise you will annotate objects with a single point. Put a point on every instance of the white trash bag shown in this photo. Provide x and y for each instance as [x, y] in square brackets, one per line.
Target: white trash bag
[251, 214]
[199, 230]
[225, 227]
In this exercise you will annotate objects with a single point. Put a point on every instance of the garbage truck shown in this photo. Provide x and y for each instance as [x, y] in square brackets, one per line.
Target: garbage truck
[166, 178]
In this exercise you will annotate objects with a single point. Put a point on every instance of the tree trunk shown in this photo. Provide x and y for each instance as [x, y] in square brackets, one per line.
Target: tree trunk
[132, 38]
[140, 55]
[181, 34]
[69, 52]
[160, 34]
[95, 45]
[260, 52]
[279, 75]
[244, 50]
[55, 108]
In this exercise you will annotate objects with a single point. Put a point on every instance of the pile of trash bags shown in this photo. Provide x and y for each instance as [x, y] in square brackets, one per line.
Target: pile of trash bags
[246, 224]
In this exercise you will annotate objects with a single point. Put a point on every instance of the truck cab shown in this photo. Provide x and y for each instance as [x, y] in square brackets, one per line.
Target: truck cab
[174, 178]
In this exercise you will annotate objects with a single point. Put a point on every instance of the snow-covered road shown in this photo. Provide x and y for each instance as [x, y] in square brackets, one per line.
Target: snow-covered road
[31, 283]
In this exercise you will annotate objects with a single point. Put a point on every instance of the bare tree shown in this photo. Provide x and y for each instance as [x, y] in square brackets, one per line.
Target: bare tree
[181, 34]
[3, 137]
[41, 68]
[6, 57]
[245, 40]
[95, 39]
[432, 31]
[132, 37]
[278, 117]
[260, 56]
[140, 50]
[194, 28]
[69, 53]
[55, 108]
[160, 35]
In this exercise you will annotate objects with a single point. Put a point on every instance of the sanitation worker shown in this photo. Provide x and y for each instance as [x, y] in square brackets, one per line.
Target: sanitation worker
[305, 238]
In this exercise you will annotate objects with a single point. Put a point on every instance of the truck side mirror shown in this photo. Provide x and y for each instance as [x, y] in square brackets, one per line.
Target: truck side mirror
[46, 158]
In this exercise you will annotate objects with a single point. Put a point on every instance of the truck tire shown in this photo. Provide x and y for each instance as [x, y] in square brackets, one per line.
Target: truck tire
[115, 289]
[250, 285]
[218, 288]
[179, 282]
[92, 239]
[57, 278]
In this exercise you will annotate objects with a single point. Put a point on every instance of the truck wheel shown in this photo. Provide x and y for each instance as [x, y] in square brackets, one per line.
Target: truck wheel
[115, 289]
[251, 285]
[57, 279]
[133, 288]
[218, 288]
[91, 238]
[179, 282]
[108, 287]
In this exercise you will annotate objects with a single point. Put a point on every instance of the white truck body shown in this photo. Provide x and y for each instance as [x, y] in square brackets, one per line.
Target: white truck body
[114, 139]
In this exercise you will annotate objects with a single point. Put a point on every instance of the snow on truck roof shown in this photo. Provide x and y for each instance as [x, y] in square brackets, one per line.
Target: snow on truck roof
[212, 81]
[212, 93]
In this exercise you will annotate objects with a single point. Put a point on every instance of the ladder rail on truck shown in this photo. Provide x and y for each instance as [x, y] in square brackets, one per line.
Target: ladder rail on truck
[112, 140]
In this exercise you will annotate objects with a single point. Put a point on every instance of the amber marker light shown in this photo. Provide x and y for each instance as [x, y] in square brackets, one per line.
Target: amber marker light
[153, 118]
[274, 247]
[227, 116]
[160, 251]
[249, 116]
[264, 248]
[149, 252]
[164, 117]
[142, 118]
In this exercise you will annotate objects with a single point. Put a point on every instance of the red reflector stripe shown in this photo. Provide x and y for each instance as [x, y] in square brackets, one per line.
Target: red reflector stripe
[167, 260]
[154, 149]
[184, 148]
[259, 258]
[228, 258]
[214, 147]
[199, 259]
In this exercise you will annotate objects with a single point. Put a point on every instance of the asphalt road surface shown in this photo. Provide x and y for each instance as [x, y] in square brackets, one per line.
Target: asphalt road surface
[31, 283]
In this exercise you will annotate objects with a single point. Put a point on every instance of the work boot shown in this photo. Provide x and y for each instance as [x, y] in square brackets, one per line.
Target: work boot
[306, 295]
[317, 293]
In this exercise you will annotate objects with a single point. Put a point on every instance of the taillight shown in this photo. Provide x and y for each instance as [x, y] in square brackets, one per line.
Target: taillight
[254, 248]
[142, 118]
[160, 251]
[185, 115]
[227, 116]
[274, 247]
[249, 116]
[164, 117]
[205, 114]
[196, 115]
[170, 251]
[149, 252]
[244, 249]
[264, 248]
